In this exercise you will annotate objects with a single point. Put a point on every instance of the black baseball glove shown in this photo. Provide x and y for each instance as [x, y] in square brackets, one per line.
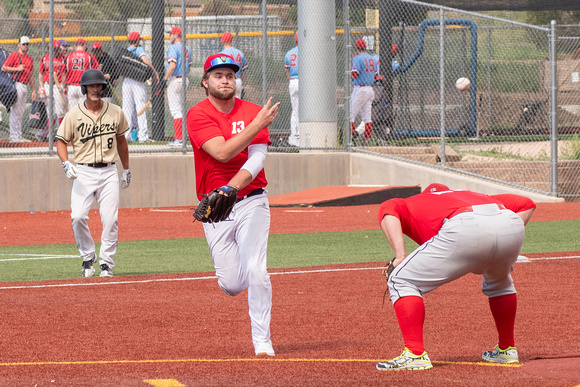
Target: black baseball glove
[216, 205]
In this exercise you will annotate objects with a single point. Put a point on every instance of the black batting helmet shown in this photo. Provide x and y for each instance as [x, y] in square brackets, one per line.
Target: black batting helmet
[93, 77]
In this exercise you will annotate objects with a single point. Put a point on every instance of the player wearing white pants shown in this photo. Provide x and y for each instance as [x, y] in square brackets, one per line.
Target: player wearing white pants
[174, 78]
[95, 174]
[134, 99]
[291, 68]
[102, 185]
[17, 110]
[361, 101]
[238, 249]
[230, 139]
[364, 73]
[75, 96]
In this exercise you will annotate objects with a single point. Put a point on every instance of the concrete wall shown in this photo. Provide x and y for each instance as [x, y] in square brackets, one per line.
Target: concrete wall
[39, 184]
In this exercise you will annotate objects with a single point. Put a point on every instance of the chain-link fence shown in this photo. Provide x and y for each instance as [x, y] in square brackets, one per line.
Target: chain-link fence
[517, 123]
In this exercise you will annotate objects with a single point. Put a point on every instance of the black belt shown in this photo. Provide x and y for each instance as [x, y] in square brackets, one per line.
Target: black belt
[257, 191]
[98, 165]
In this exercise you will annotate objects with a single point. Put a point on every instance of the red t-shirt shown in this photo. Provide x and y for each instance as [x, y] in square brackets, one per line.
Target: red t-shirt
[422, 215]
[76, 63]
[59, 67]
[14, 60]
[205, 122]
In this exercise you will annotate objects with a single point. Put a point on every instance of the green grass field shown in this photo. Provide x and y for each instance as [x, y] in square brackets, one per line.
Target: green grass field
[61, 261]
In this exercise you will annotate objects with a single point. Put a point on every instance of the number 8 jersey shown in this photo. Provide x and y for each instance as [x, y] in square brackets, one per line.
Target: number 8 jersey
[94, 138]
[205, 122]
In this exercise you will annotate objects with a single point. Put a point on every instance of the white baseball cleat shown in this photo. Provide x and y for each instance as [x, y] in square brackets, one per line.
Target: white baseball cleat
[264, 348]
[88, 269]
[106, 271]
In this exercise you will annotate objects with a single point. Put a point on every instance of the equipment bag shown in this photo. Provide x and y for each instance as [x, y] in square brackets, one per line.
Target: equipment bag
[38, 117]
[131, 66]
[8, 94]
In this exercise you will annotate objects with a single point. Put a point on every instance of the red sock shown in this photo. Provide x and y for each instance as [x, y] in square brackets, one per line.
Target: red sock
[368, 130]
[177, 125]
[353, 129]
[503, 309]
[410, 313]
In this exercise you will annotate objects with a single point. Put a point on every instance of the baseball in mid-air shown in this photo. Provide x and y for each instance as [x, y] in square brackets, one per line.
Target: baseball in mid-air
[462, 84]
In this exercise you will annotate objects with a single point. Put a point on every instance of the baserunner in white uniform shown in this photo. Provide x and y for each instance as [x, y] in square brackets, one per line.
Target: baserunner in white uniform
[96, 130]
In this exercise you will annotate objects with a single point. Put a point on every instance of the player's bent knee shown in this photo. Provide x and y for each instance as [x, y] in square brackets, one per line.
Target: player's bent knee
[231, 290]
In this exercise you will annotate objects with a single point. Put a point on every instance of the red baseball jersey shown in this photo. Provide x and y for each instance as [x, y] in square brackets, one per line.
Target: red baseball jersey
[205, 122]
[59, 67]
[422, 215]
[76, 63]
[15, 59]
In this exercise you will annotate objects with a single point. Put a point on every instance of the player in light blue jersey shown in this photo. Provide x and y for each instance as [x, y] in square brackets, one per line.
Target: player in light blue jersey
[364, 71]
[240, 60]
[291, 67]
[174, 78]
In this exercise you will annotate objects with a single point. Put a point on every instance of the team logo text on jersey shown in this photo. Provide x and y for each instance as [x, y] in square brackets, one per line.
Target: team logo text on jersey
[91, 131]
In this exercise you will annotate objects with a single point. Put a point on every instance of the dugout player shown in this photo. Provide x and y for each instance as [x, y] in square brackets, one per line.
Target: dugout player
[75, 65]
[135, 92]
[20, 65]
[364, 72]
[174, 79]
[291, 67]
[240, 59]
[108, 67]
[459, 232]
[230, 139]
[43, 84]
[96, 130]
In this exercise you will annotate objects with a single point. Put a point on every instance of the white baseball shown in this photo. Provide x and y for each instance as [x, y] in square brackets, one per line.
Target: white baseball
[462, 84]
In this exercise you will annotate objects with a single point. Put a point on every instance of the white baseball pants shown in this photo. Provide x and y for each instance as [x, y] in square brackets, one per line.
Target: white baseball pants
[294, 138]
[238, 247]
[174, 100]
[239, 87]
[361, 101]
[17, 110]
[134, 99]
[101, 184]
[59, 108]
[486, 241]
[75, 97]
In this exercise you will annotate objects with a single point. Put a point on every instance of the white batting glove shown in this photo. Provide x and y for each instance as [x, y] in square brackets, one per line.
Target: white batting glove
[125, 178]
[70, 170]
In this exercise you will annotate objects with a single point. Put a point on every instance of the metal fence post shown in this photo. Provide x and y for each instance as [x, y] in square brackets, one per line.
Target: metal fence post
[347, 62]
[553, 110]
[442, 82]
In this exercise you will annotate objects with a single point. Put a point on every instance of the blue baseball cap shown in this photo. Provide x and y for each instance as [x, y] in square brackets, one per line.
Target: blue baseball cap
[63, 42]
[220, 60]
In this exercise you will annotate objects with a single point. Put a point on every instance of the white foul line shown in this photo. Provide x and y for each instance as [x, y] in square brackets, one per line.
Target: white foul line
[215, 277]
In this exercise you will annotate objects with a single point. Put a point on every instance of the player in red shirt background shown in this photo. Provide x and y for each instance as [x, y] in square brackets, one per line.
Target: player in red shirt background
[230, 139]
[75, 65]
[459, 232]
[21, 65]
[43, 83]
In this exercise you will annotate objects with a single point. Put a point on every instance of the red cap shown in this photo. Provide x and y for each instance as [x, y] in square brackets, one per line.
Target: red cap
[360, 43]
[220, 60]
[97, 46]
[435, 187]
[56, 44]
[133, 36]
[175, 31]
[296, 37]
[394, 48]
[227, 37]
[80, 41]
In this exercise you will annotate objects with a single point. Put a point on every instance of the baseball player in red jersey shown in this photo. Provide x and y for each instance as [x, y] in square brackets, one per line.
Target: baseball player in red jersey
[20, 65]
[43, 80]
[230, 139]
[75, 64]
[459, 232]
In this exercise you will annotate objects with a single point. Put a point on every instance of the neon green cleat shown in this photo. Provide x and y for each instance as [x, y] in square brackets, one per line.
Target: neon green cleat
[407, 361]
[508, 355]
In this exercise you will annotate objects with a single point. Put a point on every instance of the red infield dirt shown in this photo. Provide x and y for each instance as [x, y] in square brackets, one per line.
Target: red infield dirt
[329, 326]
